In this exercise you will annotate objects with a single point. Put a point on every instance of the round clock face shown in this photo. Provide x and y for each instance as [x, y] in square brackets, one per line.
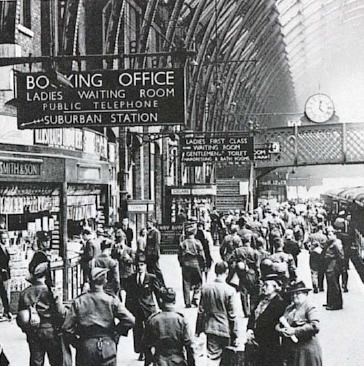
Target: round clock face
[319, 108]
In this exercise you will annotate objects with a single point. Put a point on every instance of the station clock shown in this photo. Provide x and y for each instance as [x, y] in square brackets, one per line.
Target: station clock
[319, 108]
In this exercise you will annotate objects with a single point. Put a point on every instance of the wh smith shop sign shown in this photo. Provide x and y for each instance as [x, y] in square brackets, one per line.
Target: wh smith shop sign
[102, 98]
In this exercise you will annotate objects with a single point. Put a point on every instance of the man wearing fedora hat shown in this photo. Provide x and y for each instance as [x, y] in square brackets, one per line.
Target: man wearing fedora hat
[90, 323]
[141, 289]
[44, 338]
[168, 333]
[152, 249]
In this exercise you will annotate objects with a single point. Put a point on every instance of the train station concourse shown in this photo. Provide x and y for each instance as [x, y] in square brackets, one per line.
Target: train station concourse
[181, 134]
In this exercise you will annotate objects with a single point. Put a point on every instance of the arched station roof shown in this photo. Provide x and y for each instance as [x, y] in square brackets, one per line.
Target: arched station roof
[256, 61]
[324, 43]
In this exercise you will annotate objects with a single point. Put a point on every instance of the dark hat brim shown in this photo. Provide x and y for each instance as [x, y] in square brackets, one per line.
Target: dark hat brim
[295, 290]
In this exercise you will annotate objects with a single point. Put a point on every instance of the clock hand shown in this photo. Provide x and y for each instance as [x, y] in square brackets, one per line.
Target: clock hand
[320, 107]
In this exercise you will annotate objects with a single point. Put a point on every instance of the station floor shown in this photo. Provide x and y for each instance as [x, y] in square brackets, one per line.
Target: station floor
[341, 332]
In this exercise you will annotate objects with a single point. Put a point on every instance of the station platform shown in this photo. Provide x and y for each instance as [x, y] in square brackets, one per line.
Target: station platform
[340, 334]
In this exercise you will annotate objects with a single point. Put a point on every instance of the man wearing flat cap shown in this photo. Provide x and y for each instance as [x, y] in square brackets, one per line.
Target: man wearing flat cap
[191, 257]
[140, 289]
[152, 250]
[168, 333]
[43, 339]
[90, 323]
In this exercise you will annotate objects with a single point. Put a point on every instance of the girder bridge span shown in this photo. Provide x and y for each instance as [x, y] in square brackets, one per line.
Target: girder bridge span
[313, 145]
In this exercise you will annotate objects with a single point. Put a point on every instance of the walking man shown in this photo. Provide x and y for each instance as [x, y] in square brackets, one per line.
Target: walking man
[192, 260]
[140, 289]
[168, 333]
[217, 315]
[4, 273]
[90, 323]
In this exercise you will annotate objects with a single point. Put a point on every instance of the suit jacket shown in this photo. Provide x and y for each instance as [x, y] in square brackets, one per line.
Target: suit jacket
[139, 298]
[217, 313]
[4, 263]
[264, 325]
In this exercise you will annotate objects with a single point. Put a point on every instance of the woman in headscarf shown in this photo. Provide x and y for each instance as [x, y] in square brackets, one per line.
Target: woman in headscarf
[261, 331]
[299, 326]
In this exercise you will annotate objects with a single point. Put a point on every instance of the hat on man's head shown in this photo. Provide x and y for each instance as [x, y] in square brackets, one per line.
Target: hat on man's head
[40, 270]
[298, 286]
[151, 219]
[97, 272]
[42, 236]
[119, 233]
[140, 258]
[190, 228]
[169, 295]
[272, 276]
[86, 231]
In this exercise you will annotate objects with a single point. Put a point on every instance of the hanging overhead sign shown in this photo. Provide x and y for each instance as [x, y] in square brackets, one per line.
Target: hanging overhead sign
[101, 98]
[216, 147]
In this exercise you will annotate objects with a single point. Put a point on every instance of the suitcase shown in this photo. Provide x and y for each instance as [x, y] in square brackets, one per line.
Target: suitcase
[232, 356]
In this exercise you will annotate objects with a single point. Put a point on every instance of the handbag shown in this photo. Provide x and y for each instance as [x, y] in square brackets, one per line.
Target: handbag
[251, 353]
[232, 356]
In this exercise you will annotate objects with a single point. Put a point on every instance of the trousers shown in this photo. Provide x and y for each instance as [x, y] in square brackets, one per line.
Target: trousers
[334, 295]
[4, 296]
[153, 267]
[191, 278]
[97, 351]
[44, 341]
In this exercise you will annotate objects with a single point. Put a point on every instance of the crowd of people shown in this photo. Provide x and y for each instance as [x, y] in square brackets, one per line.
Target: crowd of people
[124, 289]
